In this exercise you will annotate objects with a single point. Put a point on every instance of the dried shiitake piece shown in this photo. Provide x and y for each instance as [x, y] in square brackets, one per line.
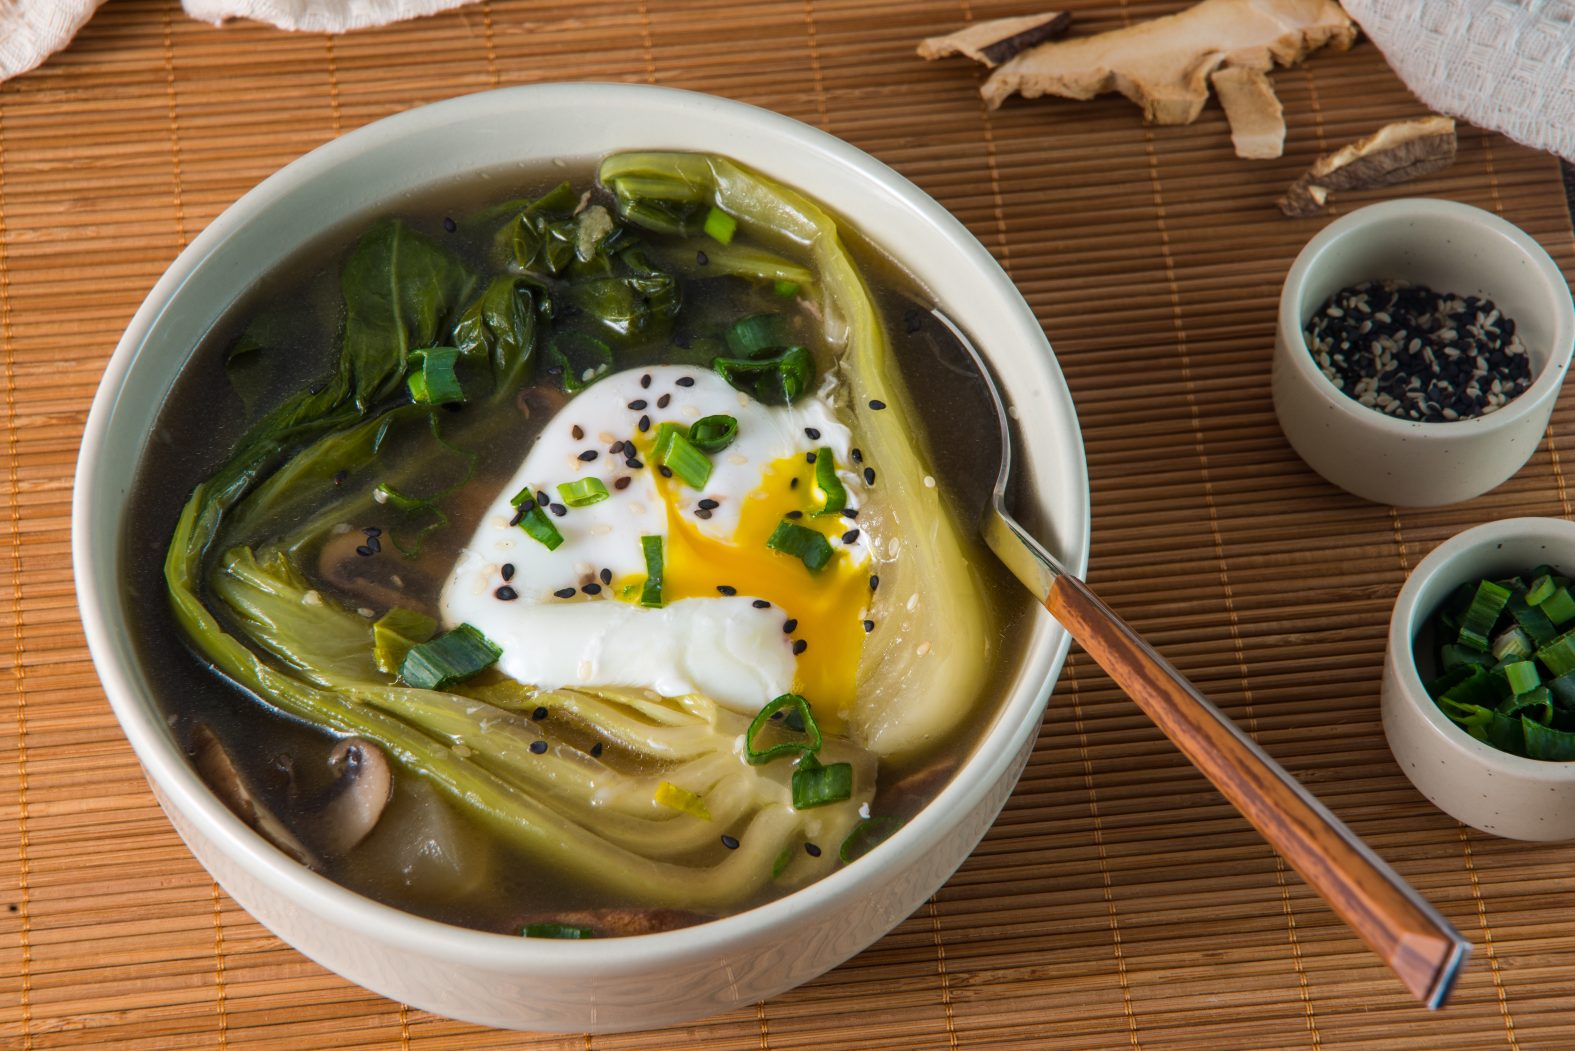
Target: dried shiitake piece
[1257, 122]
[1397, 152]
[999, 39]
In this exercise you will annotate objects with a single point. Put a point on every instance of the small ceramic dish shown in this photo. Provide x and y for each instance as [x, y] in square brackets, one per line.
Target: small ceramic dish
[1449, 247]
[1507, 795]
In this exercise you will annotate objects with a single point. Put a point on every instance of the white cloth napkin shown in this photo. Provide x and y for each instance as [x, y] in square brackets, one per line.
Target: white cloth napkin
[1508, 65]
[32, 30]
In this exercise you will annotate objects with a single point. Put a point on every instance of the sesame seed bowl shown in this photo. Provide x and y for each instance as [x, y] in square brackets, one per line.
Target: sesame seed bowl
[1440, 338]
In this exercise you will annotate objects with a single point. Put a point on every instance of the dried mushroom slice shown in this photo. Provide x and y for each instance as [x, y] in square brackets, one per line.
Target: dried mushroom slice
[1398, 152]
[1257, 123]
[1164, 64]
[997, 40]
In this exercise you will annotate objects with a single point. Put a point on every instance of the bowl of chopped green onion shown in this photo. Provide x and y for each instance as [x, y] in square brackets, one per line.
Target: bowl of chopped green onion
[1479, 680]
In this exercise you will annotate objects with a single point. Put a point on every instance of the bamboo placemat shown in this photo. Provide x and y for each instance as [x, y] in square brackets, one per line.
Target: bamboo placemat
[1118, 903]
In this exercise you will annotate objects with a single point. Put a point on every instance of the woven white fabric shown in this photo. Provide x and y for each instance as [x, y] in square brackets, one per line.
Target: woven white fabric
[32, 30]
[1508, 65]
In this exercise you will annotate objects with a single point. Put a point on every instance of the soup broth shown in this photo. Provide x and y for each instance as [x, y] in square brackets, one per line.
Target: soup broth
[602, 288]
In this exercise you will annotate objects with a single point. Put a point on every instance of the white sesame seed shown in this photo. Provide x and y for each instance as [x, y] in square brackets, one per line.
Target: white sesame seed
[341, 528]
[929, 482]
[311, 598]
[924, 647]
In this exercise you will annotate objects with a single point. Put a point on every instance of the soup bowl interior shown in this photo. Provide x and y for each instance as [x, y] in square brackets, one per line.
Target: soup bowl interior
[551, 985]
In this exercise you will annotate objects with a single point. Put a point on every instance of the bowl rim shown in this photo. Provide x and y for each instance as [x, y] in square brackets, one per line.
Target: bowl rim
[174, 780]
[1437, 210]
[1406, 619]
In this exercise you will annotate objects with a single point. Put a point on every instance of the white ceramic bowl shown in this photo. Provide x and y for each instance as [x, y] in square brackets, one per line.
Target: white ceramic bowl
[1450, 247]
[1507, 795]
[534, 984]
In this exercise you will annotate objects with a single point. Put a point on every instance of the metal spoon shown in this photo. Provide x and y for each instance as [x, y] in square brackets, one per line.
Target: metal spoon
[1407, 933]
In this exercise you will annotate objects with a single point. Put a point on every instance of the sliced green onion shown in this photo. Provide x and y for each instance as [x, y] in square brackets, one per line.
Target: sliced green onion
[582, 492]
[1559, 606]
[1541, 589]
[785, 289]
[1458, 674]
[1486, 605]
[756, 333]
[866, 836]
[1485, 688]
[802, 543]
[682, 800]
[451, 657]
[712, 434]
[540, 528]
[556, 930]
[1455, 656]
[816, 785]
[1511, 644]
[779, 379]
[809, 746]
[1537, 702]
[651, 593]
[1532, 621]
[395, 633]
[1558, 656]
[1563, 689]
[1522, 676]
[432, 380]
[678, 454]
[829, 486]
[525, 495]
[1545, 742]
[719, 226]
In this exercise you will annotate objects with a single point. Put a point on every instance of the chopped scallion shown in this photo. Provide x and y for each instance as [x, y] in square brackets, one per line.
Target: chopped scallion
[395, 633]
[678, 454]
[651, 593]
[712, 434]
[779, 378]
[1511, 644]
[1522, 676]
[1541, 589]
[432, 380]
[451, 657]
[719, 226]
[1559, 655]
[556, 930]
[809, 746]
[816, 785]
[1532, 621]
[1486, 605]
[802, 543]
[756, 333]
[1559, 606]
[832, 494]
[682, 800]
[540, 528]
[582, 492]
[1455, 655]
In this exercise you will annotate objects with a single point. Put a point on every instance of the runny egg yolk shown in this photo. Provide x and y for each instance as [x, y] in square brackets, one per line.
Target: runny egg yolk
[828, 605]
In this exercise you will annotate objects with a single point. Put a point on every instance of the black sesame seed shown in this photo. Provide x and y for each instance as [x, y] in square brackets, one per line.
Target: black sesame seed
[576, 432]
[686, 381]
[799, 646]
[605, 576]
[558, 509]
[729, 842]
[645, 381]
[508, 571]
[664, 401]
[874, 581]
[372, 531]
[795, 515]
[869, 476]
[596, 750]
[374, 543]
[564, 593]
[538, 747]
[793, 483]
[702, 513]
[850, 536]
[809, 457]
[812, 433]
[506, 594]
[449, 224]
[589, 454]
[877, 404]
[592, 588]
[621, 483]
[666, 471]
[761, 603]
[869, 626]
[790, 625]
[615, 449]
[726, 589]
[645, 424]
[633, 463]
[778, 716]
[519, 515]
[812, 850]
[850, 512]
[542, 498]
[858, 455]
[364, 551]
[701, 259]
[539, 714]
[708, 504]
[638, 405]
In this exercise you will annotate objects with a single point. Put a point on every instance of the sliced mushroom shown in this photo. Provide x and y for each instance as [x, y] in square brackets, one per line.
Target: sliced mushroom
[1257, 121]
[219, 771]
[1398, 152]
[997, 40]
[356, 800]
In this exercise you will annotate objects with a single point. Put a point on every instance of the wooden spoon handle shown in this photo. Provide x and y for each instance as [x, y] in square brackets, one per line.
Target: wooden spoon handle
[1417, 943]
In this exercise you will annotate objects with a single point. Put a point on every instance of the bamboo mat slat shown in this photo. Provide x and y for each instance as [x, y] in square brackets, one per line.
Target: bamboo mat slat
[1117, 903]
